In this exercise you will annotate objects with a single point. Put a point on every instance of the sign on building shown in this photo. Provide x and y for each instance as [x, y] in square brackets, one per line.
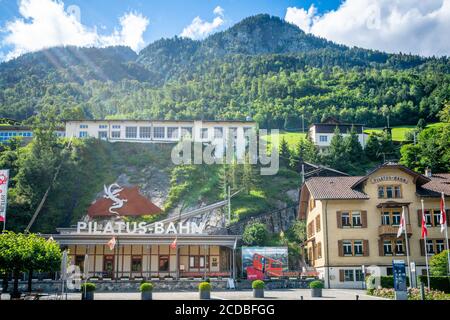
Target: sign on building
[4, 177]
[262, 262]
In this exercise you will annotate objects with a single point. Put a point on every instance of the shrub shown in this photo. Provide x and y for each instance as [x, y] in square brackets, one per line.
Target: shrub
[88, 287]
[258, 284]
[255, 234]
[388, 281]
[146, 286]
[204, 286]
[437, 283]
[413, 294]
[439, 264]
[316, 284]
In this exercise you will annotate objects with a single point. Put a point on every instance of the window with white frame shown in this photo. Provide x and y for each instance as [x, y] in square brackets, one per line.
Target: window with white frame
[131, 132]
[399, 247]
[103, 134]
[83, 126]
[159, 133]
[346, 219]
[430, 247]
[204, 133]
[186, 132]
[218, 132]
[145, 132]
[347, 247]
[349, 275]
[387, 247]
[115, 134]
[103, 126]
[437, 218]
[172, 132]
[358, 247]
[359, 276]
[83, 134]
[116, 126]
[323, 138]
[440, 246]
[356, 218]
[396, 217]
[385, 218]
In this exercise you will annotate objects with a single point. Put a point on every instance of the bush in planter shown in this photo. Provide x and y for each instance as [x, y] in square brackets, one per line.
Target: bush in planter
[146, 289]
[87, 291]
[316, 288]
[258, 288]
[205, 290]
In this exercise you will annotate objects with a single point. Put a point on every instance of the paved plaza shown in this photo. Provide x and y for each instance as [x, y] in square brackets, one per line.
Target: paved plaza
[285, 294]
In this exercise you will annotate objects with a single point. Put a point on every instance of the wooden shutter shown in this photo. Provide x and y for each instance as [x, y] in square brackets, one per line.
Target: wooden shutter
[419, 217]
[380, 248]
[447, 215]
[364, 219]
[340, 248]
[339, 219]
[365, 248]
[422, 249]
[341, 276]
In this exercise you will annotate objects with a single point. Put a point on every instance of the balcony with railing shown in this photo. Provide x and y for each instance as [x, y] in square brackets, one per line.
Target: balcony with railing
[387, 230]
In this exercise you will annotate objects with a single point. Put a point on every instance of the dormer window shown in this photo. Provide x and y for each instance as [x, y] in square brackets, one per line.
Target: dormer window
[389, 192]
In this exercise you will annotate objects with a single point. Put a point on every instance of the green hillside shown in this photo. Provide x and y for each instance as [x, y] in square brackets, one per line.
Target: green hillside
[262, 67]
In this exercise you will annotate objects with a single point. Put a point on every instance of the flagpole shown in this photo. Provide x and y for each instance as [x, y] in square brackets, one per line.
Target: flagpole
[424, 221]
[446, 232]
[407, 247]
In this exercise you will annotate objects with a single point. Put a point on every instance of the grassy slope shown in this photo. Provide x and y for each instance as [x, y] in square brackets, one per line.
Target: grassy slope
[399, 132]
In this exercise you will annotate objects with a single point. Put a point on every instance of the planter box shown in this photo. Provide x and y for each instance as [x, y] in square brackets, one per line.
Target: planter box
[205, 295]
[89, 295]
[258, 293]
[146, 295]
[316, 292]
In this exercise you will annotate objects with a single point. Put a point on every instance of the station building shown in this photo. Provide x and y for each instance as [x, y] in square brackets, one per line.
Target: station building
[353, 221]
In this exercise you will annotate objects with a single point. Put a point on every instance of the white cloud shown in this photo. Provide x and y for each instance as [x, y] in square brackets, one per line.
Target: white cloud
[199, 29]
[219, 11]
[414, 26]
[45, 24]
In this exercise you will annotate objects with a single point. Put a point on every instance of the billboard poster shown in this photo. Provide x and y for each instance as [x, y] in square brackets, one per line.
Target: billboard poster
[4, 177]
[262, 262]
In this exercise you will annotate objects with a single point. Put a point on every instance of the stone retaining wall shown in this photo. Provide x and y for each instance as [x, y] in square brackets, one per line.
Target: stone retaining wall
[163, 285]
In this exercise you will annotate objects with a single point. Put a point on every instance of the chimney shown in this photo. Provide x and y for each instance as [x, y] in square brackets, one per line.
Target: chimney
[428, 172]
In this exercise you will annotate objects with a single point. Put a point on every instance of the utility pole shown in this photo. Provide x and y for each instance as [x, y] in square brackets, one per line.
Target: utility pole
[303, 123]
[229, 205]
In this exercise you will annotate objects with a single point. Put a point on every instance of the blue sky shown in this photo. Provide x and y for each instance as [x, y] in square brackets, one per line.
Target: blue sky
[414, 26]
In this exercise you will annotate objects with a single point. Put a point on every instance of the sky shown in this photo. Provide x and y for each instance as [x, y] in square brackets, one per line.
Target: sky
[409, 26]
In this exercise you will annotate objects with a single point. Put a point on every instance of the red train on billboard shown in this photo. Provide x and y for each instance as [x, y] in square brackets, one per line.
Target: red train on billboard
[263, 262]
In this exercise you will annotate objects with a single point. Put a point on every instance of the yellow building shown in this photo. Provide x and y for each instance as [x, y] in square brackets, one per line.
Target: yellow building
[353, 221]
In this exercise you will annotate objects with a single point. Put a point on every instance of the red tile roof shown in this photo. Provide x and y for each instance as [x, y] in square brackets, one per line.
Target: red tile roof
[136, 205]
[323, 188]
[440, 182]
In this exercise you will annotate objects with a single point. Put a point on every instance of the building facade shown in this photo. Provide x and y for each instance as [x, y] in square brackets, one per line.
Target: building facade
[322, 133]
[353, 221]
[26, 133]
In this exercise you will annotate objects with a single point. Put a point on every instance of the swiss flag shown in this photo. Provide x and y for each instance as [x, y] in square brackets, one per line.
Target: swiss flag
[443, 221]
[402, 226]
[424, 225]
[2, 218]
[173, 245]
[112, 243]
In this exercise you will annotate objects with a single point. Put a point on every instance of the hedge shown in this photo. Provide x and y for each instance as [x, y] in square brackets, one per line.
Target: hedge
[388, 281]
[437, 283]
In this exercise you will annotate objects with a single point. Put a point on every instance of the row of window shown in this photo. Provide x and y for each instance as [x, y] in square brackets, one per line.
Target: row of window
[389, 217]
[195, 262]
[351, 275]
[389, 192]
[388, 247]
[16, 134]
[131, 132]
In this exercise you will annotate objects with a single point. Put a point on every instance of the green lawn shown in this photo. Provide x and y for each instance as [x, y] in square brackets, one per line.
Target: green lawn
[292, 138]
[398, 133]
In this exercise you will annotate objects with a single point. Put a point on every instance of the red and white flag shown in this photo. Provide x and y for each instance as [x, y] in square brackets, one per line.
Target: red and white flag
[443, 220]
[424, 225]
[173, 245]
[402, 226]
[112, 243]
[4, 177]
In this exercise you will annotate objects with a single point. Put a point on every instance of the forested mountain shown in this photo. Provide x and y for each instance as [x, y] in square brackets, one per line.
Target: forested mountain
[263, 67]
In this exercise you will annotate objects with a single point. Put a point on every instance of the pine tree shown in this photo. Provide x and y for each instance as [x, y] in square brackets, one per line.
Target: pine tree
[352, 146]
[337, 157]
[248, 175]
[372, 147]
[285, 153]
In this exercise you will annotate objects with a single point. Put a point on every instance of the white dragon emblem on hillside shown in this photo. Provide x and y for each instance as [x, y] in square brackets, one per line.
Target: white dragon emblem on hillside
[111, 193]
